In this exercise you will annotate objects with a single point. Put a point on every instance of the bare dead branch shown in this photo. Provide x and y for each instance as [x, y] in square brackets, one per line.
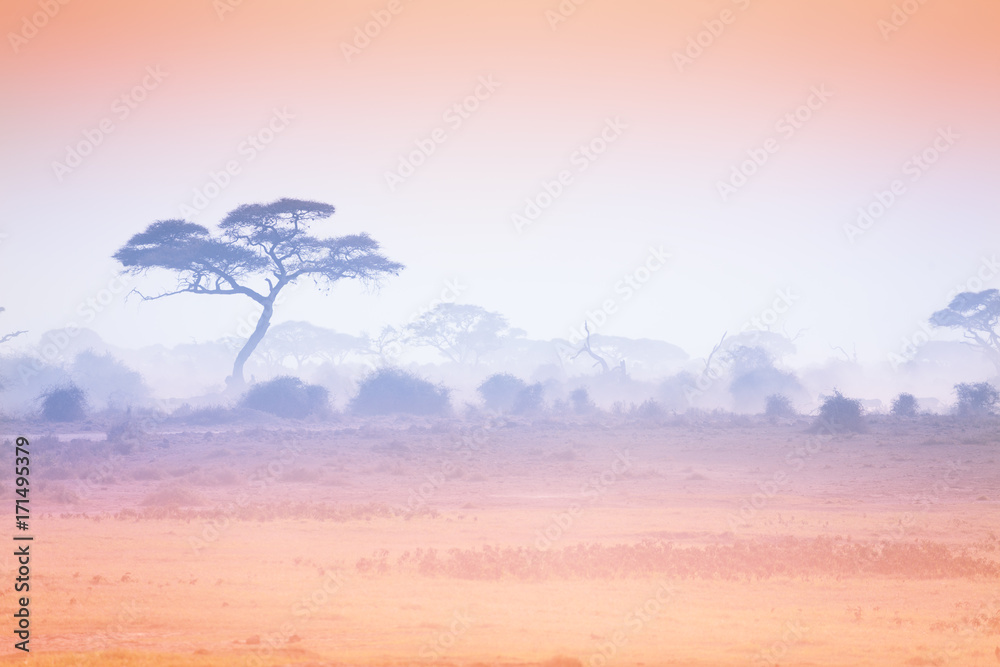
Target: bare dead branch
[708, 362]
[9, 336]
[586, 348]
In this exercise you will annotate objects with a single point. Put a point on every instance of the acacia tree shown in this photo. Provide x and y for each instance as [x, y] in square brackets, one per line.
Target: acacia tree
[261, 250]
[385, 346]
[978, 314]
[304, 342]
[460, 332]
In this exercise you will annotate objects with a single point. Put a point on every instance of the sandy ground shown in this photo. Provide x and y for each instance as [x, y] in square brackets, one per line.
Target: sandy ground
[595, 543]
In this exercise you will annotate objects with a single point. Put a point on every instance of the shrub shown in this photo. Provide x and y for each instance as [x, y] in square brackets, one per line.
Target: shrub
[393, 391]
[65, 403]
[778, 405]
[499, 391]
[904, 405]
[841, 414]
[528, 400]
[976, 399]
[650, 409]
[108, 381]
[287, 397]
[675, 392]
[582, 403]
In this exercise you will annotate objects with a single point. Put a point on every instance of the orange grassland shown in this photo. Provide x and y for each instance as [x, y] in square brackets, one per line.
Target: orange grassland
[720, 541]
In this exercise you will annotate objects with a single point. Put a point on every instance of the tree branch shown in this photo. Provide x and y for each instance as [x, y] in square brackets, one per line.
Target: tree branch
[9, 336]
[586, 348]
[708, 362]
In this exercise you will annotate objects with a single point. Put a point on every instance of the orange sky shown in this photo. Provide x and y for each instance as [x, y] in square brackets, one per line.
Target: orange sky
[354, 118]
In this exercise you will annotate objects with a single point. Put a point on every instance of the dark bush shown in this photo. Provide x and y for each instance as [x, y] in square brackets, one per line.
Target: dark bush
[65, 403]
[840, 414]
[904, 405]
[976, 399]
[582, 403]
[393, 391]
[650, 409]
[778, 405]
[500, 391]
[676, 391]
[529, 400]
[287, 397]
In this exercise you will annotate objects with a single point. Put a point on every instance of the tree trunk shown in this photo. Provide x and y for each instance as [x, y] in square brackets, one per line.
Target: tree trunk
[236, 379]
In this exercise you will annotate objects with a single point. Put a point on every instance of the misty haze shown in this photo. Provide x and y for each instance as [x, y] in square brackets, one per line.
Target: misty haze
[549, 333]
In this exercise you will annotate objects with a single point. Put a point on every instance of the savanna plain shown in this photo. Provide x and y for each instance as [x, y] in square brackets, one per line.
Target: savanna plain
[692, 540]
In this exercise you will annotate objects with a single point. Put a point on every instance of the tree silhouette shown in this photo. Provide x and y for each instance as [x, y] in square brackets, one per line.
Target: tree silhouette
[386, 346]
[978, 313]
[262, 249]
[304, 343]
[460, 332]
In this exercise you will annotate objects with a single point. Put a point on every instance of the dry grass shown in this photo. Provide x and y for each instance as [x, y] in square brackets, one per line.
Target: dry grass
[177, 502]
[137, 659]
[207, 574]
[747, 560]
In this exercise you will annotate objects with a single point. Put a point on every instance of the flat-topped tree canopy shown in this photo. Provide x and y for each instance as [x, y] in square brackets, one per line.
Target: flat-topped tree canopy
[260, 244]
[206, 265]
[978, 314]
